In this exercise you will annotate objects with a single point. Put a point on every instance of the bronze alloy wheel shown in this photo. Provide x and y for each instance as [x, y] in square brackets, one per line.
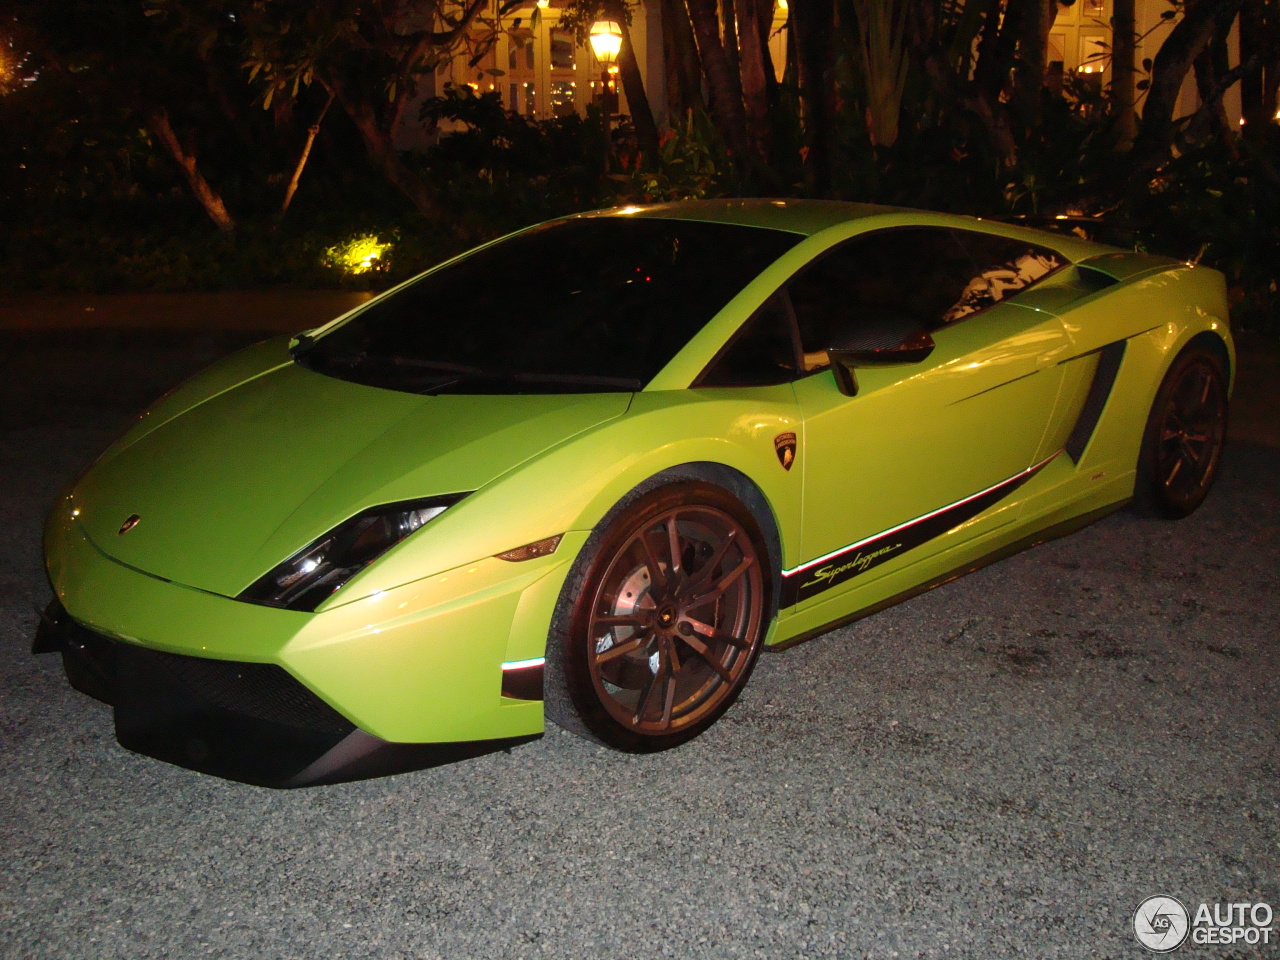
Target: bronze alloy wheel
[671, 618]
[1185, 435]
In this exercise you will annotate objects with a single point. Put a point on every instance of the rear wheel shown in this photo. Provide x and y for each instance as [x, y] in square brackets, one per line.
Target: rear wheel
[1185, 434]
[660, 627]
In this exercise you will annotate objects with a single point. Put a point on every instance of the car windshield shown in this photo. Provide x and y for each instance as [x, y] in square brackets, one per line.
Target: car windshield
[586, 305]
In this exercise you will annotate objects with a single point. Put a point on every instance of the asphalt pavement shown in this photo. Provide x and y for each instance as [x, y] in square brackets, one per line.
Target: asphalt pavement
[1003, 767]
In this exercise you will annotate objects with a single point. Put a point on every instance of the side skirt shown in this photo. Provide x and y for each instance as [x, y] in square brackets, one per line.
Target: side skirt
[1053, 532]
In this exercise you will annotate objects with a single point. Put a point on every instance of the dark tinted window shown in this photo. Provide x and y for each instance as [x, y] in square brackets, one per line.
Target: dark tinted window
[582, 305]
[908, 276]
[761, 354]
[1003, 268]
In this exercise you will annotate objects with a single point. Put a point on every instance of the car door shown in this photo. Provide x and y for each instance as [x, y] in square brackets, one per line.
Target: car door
[926, 447]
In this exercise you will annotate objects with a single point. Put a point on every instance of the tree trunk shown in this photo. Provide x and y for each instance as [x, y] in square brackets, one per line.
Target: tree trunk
[986, 70]
[312, 132]
[994, 69]
[1184, 43]
[671, 65]
[729, 20]
[383, 154]
[755, 87]
[813, 22]
[1267, 42]
[1033, 55]
[633, 86]
[790, 68]
[1260, 38]
[764, 23]
[958, 40]
[158, 121]
[688, 91]
[1271, 88]
[1123, 67]
[1211, 65]
[726, 105]
[1252, 44]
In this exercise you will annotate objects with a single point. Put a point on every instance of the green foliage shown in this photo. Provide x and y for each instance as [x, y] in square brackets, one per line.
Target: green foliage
[75, 254]
[1227, 210]
[92, 202]
[498, 171]
[690, 165]
[882, 57]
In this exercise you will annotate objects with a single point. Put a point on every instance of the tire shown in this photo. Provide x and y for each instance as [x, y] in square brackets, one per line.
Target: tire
[1185, 434]
[646, 653]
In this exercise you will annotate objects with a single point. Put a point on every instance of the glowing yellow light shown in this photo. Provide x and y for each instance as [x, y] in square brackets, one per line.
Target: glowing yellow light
[606, 41]
[782, 5]
[357, 255]
[543, 4]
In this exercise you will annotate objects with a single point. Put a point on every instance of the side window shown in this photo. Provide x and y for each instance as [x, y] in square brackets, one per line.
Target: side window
[762, 353]
[911, 276]
[1002, 268]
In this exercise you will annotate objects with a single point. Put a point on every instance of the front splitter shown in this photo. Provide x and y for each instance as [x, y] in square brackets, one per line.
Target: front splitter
[247, 722]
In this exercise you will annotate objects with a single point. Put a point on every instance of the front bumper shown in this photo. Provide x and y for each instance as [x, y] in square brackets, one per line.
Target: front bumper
[420, 664]
[250, 722]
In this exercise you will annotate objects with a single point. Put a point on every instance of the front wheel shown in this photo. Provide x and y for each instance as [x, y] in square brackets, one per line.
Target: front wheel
[665, 619]
[1185, 434]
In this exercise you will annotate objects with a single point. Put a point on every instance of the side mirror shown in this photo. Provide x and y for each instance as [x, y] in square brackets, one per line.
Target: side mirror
[878, 343]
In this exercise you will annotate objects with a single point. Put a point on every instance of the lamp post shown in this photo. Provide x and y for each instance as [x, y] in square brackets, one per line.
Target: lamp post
[606, 43]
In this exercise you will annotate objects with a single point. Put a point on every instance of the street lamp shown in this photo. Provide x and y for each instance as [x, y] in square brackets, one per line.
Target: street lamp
[606, 43]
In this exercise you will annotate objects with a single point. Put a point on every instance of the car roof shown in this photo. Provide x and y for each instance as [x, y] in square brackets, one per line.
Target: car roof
[811, 217]
[805, 217]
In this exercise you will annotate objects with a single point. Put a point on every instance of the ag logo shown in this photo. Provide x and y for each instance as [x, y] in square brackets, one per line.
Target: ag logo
[1160, 924]
[129, 524]
[784, 445]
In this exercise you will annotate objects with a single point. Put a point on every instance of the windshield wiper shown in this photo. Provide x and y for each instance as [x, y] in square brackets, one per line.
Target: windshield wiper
[353, 358]
[438, 365]
[576, 379]
[629, 384]
[429, 377]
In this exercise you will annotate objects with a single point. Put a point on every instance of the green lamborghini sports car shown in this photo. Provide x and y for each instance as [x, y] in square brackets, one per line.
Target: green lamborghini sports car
[588, 471]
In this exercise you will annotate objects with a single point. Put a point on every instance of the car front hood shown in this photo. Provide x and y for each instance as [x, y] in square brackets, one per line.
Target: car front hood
[245, 477]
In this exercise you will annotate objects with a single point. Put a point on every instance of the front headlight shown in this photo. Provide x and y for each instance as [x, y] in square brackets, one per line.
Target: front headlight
[311, 575]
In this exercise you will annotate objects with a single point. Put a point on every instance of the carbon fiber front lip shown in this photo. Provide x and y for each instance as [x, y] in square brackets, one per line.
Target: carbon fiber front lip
[248, 722]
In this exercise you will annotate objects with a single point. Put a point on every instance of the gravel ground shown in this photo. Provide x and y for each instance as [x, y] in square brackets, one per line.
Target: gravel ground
[1003, 767]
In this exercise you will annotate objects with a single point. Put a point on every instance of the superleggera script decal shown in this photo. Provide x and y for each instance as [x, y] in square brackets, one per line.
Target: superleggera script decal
[812, 578]
[860, 562]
